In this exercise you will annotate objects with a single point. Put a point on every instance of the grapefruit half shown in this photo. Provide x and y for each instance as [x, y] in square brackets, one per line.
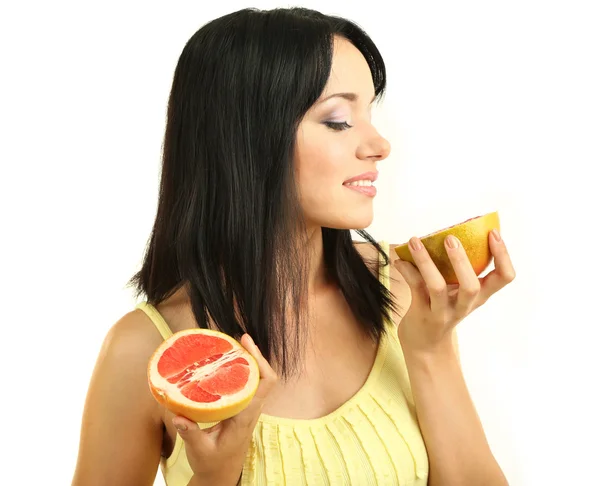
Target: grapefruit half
[203, 375]
[473, 235]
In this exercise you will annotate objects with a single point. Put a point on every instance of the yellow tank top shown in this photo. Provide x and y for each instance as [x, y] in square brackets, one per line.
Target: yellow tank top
[372, 439]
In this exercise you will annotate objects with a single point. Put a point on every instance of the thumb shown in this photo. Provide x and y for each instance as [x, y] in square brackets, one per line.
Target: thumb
[247, 418]
[414, 279]
[409, 271]
[189, 430]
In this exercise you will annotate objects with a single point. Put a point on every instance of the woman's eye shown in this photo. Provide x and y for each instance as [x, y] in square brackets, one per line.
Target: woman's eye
[338, 126]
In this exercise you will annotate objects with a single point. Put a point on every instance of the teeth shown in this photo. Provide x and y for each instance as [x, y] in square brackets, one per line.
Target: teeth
[360, 183]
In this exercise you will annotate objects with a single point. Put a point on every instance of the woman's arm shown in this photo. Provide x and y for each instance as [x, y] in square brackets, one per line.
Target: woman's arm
[458, 451]
[121, 431]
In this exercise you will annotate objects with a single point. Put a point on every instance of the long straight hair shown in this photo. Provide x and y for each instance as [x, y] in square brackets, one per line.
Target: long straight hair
[229, 225]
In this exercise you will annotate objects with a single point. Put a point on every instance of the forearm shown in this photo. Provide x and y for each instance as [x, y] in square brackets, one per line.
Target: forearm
[197, 481]
[458, 450]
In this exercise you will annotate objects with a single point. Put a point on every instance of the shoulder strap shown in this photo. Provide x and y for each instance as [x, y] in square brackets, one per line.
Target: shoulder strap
[384, 278]
[165, 331]
[384, 272]
[156, 318]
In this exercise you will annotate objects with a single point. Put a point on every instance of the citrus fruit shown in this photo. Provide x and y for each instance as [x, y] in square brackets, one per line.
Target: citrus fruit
[203, 375]
[473, 235]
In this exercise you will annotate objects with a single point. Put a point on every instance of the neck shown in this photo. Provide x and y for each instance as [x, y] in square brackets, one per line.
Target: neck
[317, 276]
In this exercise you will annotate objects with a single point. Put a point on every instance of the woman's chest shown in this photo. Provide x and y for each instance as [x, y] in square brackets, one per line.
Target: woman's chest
[370, 440]
[333, 366]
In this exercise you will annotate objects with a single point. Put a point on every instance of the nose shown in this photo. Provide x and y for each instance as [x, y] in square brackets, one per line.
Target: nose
[375, 147]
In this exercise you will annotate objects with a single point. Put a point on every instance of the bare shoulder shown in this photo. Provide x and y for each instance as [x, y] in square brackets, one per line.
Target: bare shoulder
[367, 251]
[121, 428]
[127, 347]
[398, 286]
[370, 254]
[132, 339]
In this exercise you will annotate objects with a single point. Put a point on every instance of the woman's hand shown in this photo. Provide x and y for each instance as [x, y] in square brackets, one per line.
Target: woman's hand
[216, 455]
[436, 307]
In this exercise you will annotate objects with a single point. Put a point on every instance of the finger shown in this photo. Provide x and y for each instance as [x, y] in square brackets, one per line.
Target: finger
[452, 291]
[469, 286]
[436, 285]
[503, 272]
[418, 289]
[268, 377]
[248, 417]
[190, 432]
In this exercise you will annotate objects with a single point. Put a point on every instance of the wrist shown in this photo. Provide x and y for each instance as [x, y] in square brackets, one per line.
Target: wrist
[197, 481]
[441, 351]
[203, 480]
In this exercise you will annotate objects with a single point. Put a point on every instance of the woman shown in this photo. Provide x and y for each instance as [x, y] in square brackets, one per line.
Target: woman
[269, 158]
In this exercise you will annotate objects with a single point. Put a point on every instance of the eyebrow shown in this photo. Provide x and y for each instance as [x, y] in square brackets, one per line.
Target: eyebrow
[348, 96]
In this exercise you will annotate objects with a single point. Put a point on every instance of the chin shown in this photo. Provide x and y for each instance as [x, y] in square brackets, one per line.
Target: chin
[355, 222]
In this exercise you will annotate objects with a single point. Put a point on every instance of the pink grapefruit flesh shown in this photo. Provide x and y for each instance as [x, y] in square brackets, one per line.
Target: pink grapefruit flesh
[204, 375]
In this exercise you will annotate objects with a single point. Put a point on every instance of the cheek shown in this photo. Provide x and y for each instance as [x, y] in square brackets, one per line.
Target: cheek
[321, 164]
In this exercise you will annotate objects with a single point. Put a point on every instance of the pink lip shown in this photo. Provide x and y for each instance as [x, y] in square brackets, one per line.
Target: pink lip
[370, 191]
[367, 176]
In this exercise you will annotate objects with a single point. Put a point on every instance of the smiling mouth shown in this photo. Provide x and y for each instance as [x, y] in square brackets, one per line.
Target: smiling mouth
[364, 187]
[363, 183]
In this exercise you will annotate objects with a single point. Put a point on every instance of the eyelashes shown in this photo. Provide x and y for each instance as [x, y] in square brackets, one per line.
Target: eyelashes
[337, 126]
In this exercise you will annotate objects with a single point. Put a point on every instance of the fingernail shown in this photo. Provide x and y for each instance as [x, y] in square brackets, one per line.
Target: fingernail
[496, 235]
[416, 244]
[181, 427]
[452, 242]
[254, 344]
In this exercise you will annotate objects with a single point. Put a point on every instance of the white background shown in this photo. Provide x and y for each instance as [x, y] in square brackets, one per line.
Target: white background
[490, 106]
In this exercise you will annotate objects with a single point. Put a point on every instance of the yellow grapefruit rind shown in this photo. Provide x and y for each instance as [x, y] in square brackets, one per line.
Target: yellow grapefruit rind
[203, 412]
[473, 235]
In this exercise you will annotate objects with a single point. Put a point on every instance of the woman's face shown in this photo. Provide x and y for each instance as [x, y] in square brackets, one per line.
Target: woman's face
[338, 148]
